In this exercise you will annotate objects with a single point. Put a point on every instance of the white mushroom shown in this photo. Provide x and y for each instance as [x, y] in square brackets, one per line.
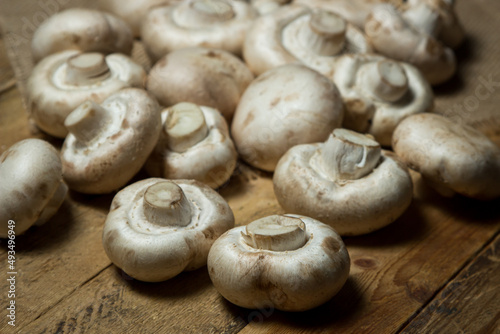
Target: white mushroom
[220, 24]
[288, 262]
[133, 11]
[268, 6]
[284, 107]
[451, 157]
[346, 182]
[194, 144]
[296, 33]
[31, 185]
[207, 77]
[395, 37]
[63, 81]
[158, 228]
[107, 144]
[84, 30]
[378, 93]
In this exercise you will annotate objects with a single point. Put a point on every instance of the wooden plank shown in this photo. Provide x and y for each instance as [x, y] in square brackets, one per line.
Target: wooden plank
[470, 303]
[397, 270]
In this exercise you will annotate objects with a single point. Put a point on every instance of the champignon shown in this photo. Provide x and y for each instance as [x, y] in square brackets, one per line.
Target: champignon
[393, 36]
[158, 228]
[220, 24]
[268, 6]
[284, 107]
[107, 144]
[194, 144]
[346, 182]
[207, 77]
[84, 30]
[31, 185]
[288, 262]
[378, 93]
[133, 11]
[63, 81]
[297, 33]
[452, 157]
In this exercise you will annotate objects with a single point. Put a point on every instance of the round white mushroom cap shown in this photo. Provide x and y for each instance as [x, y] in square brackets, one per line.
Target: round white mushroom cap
[158, 228]
[63, 81]
[298, 34]
[108, 144]
[220, 24]
[194, 144]
[207, 77]
[284, 107]
[346, 182]
[288, 262]
[395, 37]
[85, 30]
[31, 185]
[378, 93]
[452, 157]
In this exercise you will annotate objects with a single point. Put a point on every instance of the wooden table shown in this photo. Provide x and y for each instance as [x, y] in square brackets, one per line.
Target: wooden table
[435, 270]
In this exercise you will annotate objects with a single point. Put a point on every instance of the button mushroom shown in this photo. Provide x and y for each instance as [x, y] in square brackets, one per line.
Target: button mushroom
[63, 81]
[346, 182]
[378, 93]
[293, 263]
[194, 144]
[31, 185]
[285, 106]
[84, 30]
[395, 37]
[452, 158]
[133, 11]
[296, 33]
[157, 228]
[207, 77]
[268, 6]
[220, 24]
[107, 144]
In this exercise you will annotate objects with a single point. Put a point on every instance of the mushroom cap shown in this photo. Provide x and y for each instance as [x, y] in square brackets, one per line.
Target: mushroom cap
[153, 253]
[207, 77]
[31, 186]
[120, 145]
[295, 280]
[85, 30]
[281, 37]
[220, 24]
[285, 106]
[367, 113]
[268, 6]
[354, 11]
[133, 11]
[211, 161]
[449, 155]
[394, 37]
[52, 97]
[351, 207]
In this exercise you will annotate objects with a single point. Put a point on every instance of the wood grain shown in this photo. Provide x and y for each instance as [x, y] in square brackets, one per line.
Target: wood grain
[470, 303]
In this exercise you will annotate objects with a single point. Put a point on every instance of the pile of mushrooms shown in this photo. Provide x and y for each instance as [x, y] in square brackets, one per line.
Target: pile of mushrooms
[31, 185]
[158, 228]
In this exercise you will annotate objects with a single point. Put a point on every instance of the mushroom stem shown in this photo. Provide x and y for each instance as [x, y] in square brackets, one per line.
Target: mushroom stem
[385, 79]
[87, 121]
[348, 155]
[324, 34]
[276, 233]
[86, 69]
[185, 126]
[204, 12]
[165, 205]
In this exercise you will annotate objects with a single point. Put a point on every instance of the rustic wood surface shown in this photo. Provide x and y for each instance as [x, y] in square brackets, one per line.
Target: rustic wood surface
[435, 270]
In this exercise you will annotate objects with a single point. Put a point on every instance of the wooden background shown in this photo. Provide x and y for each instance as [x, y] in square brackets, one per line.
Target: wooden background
[435, 270]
